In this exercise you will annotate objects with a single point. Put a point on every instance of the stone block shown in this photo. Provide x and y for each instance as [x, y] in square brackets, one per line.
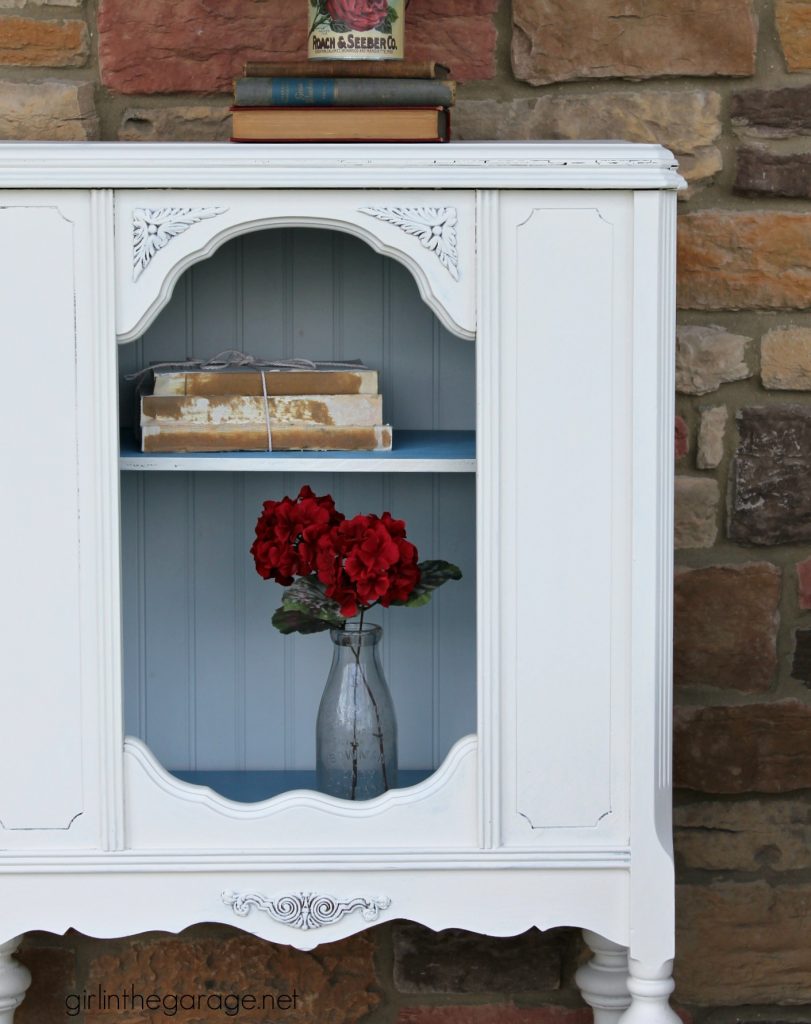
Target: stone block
[36, 42]
[686, 122]
[744, 835]
[770, 476]
[188, 123]
[725, 626]
[793, 19]
[697, 502]
[711, 433]
[785, 359]
[740, 943]
[772, 113]
[707, 357]
[731, 259]
[748, 748]
[804, 583]
[333, 984]
[63, 111]
[682, 438]
[500, 1013]
[193, 46]
[457, 961]
[559, 41]
[760, 172]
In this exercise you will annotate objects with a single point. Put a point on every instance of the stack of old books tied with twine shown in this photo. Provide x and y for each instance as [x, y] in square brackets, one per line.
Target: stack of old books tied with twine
[235, 402]
[343, 101]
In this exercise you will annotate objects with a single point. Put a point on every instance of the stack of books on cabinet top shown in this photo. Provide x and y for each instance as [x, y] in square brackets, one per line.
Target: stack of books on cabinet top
[323, 407]
[343, 101]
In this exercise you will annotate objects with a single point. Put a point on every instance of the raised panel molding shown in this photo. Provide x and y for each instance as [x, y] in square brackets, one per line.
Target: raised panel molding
[41, 605]
[565, 331]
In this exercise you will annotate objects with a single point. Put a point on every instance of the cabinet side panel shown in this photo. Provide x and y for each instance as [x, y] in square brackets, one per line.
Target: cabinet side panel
[39, 539]
[565, 507]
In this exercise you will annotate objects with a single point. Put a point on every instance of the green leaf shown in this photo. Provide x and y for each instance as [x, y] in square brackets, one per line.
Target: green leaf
[307, 609]
[384, 26]
[433, 574]
[338, 26]
[292, 621]
[392, 14]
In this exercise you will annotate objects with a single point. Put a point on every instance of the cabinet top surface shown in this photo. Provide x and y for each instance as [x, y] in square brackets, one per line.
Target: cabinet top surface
[328, 165]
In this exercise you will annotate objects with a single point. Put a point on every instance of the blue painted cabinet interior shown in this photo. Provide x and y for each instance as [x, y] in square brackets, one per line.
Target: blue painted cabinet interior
[209, 684]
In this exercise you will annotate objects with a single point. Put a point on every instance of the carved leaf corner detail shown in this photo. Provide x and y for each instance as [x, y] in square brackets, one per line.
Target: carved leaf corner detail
[434, 226]
[305, 910]
[154, 228]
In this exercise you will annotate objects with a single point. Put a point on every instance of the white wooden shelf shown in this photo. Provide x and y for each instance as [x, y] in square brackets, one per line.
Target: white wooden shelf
[414, 451]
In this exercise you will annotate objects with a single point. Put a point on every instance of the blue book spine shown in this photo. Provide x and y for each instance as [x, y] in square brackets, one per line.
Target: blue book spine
[327, 92]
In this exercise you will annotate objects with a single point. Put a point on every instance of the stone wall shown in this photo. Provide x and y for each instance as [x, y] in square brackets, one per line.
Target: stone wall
[727, 85]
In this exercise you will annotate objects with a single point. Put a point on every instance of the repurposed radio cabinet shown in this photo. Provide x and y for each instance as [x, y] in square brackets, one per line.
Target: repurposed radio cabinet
[519, 301]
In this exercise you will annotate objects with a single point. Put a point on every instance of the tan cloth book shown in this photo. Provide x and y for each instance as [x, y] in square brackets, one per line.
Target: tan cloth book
[340, 124]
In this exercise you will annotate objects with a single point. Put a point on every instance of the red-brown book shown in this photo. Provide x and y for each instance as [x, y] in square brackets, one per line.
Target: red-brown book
[347, 69]
[340, 124]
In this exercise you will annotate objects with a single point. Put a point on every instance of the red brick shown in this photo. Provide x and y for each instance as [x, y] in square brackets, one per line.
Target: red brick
[335, 983]
[750, 748]
[725, 626]
[501, 1013]
[682, 437]
[194, 46]
[53, 979]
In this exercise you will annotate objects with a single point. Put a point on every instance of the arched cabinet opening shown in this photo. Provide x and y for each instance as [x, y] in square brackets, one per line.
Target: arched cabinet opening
[216, 694]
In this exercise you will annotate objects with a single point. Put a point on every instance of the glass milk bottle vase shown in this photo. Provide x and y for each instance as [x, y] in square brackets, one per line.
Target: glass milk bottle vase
[356, 730]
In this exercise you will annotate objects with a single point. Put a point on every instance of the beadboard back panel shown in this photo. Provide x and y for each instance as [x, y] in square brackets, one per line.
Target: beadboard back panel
[209, 684]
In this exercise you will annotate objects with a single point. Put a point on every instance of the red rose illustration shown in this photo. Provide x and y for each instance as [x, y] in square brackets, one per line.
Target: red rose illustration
[360, 15]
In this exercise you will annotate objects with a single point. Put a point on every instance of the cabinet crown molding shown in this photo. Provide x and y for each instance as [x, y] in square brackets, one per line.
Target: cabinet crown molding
[330, 165]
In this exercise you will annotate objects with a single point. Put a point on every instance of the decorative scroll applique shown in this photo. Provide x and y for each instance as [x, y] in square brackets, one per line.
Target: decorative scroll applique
[434, 226]
[305, 910]
[154, 228]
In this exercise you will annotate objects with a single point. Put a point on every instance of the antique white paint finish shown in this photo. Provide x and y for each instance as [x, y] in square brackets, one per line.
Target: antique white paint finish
[557, 812]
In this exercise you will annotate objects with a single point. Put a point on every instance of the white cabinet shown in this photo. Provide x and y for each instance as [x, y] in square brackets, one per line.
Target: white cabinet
[521, 299]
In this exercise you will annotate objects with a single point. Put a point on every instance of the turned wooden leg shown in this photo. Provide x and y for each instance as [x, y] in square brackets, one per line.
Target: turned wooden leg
[14, 980]
[650, 986]
[603, 981]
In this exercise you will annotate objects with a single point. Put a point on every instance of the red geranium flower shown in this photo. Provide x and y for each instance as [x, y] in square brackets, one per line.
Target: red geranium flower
[287, 535]
[355, 563]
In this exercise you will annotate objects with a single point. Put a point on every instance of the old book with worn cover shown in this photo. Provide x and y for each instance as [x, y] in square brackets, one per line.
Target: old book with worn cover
[286, 410]
[340, 124]
[348, 69]
[253, 437]
[313, 91]
[348, 380]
